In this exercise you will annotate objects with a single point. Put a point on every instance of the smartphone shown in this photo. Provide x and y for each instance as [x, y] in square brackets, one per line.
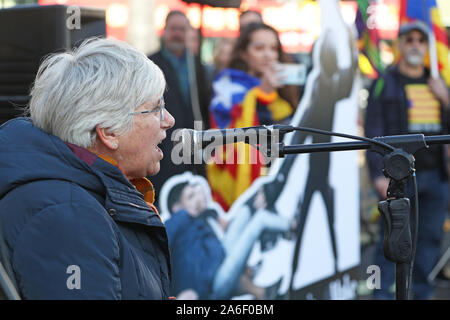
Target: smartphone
[292, 73]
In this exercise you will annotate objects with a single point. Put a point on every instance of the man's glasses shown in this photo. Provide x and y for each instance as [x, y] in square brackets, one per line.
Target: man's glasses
[160, 108]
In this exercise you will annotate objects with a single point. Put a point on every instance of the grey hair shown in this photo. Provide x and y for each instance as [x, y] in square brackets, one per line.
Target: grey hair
[99, 83]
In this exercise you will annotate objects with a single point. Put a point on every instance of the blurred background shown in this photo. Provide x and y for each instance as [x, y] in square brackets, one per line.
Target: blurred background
[141, 22]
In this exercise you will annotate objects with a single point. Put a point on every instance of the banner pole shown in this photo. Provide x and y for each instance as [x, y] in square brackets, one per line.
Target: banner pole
[434, 69]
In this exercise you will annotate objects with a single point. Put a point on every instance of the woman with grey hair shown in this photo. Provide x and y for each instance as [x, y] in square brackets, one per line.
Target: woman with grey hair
[76, 210]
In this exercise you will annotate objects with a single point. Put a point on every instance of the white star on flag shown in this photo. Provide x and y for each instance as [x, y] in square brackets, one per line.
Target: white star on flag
[224, 90]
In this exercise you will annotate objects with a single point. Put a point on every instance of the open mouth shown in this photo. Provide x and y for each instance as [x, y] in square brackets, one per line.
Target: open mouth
[157, 147]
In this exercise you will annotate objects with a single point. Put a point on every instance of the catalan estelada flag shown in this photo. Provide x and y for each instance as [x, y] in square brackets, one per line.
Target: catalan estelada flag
[428, 12]
[368, 41]
[238, 102]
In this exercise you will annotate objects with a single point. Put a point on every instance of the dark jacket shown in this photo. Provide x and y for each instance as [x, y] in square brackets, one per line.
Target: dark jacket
[196, 252]
[182, 111]
[387, 114]
[59, 212]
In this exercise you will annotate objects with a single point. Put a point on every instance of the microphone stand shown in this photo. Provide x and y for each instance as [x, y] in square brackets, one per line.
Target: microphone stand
[400, 236]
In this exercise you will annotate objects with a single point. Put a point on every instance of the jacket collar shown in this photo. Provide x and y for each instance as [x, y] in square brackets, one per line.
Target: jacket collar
[121, 194]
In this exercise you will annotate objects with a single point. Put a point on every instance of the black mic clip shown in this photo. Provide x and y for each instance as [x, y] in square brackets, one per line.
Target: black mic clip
[399, 237]
[271, 146]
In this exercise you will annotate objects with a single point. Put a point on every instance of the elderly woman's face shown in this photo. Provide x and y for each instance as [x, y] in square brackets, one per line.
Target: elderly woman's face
[139, 154]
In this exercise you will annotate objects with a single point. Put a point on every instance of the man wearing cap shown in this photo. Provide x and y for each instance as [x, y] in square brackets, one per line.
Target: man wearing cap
[406, 100]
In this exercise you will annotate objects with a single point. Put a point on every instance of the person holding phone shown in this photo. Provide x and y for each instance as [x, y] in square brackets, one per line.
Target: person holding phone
[248, 93]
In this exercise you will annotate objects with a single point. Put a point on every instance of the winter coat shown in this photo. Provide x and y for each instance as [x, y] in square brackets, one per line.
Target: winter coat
[73, 226]
[196, 251]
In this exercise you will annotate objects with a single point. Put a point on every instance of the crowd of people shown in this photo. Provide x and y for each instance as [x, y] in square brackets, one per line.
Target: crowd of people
[78, 181]
[244, 89]
[405, 99]
[241, 89]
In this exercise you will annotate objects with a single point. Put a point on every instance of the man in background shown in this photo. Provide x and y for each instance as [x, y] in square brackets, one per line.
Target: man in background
[406, 100]
[188, 92]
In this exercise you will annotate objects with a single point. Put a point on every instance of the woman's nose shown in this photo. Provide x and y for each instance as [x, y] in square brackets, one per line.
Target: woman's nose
[169, 120]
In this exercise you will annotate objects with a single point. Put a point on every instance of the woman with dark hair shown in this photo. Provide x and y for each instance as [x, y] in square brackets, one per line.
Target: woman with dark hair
[248, 93]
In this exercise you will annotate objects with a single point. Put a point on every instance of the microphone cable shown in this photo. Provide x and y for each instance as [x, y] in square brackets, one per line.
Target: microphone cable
[415, 231]
[343, 135]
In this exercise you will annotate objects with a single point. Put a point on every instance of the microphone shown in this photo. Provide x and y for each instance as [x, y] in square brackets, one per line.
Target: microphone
[195, 139]
[189, 142]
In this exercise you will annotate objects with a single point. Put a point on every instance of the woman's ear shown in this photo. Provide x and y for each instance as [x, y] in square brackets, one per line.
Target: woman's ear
[107, 137]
